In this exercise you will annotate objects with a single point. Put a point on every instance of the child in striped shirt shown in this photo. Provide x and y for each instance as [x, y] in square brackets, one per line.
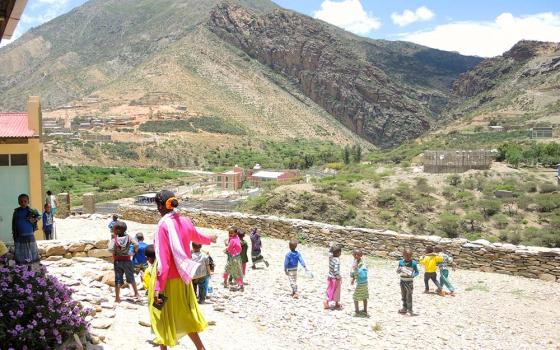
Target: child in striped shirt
[334, 281]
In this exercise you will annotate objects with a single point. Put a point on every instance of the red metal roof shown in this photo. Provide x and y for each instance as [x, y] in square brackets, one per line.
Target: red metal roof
[15, 125]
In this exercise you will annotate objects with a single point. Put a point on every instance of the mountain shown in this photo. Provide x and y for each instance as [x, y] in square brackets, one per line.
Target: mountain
[522, 85]
[386, 92]
[277, 73]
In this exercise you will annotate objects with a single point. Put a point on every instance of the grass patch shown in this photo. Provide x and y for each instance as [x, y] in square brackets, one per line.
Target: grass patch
[479, 286]
[107, 183]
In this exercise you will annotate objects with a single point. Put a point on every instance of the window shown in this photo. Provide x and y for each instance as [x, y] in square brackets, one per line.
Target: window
[4, 159]
[219, 179]
[19, 159]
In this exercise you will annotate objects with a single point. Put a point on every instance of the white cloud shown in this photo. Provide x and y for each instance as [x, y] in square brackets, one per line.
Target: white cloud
[421, 14]
[489, 39]
[348, 14]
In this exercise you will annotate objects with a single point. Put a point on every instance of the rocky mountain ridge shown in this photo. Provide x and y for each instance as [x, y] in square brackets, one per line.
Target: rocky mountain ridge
[524, 80]
[352, 78]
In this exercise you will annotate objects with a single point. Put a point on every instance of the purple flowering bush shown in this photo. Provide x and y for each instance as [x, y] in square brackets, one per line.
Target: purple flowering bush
[36, 310]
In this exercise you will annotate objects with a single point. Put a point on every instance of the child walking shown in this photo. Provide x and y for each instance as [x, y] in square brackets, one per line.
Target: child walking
[359, 275]
[121, 245]
[233, 265]
[202, 272]
[151, 271]
[430, 261]
[334, 281]
[48, 222]
[444, 270]
[291, 261]
[256, 249]
[408, 269]
[244, 249]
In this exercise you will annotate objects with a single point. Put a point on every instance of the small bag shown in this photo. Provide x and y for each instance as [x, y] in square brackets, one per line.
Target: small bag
[163, 300]
[211, 263]
[362, 275]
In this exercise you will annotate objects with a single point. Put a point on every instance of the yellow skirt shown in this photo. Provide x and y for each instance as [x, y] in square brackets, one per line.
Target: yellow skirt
[179, 316]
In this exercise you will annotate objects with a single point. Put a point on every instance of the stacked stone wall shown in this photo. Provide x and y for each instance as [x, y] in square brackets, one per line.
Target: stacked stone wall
[532, 262]
[55, 249]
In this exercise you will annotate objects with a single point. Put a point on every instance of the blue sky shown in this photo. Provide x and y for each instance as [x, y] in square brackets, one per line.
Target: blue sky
[476, 27]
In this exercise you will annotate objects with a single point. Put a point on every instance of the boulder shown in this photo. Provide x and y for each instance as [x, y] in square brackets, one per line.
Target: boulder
[109, 279]
[77, 247]
[68, 256]
[102, 244]
[79, 254]
[547, 277]
[99, 253]
[54, 258]
[55, 250]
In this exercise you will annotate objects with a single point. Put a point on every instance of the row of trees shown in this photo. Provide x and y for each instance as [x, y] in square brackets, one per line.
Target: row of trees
[516, 154]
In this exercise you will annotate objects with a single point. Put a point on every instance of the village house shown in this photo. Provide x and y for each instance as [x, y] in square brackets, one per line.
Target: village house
[230, 180]
[21, 163]
[261, 177]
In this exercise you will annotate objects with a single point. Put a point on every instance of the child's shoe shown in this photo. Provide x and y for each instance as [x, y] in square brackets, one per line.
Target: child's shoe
[412, 313]
[440, 292]
[426, 291]
[402, 311]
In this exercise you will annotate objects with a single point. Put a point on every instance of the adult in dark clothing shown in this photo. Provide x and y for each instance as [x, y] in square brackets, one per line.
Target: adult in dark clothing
[24, 224]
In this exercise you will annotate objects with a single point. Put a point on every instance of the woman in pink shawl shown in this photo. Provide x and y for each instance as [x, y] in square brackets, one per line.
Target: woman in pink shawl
[172, 302]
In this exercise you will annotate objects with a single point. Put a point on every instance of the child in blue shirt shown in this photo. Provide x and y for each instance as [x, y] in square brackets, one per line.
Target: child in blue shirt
[293, 258]
[408, 269]
[48, 222]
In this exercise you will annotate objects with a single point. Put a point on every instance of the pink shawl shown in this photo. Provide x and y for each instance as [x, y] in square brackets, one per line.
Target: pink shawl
[185, 265]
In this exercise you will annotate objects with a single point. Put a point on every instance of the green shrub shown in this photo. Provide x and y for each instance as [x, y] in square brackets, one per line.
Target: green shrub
[386, 198]
[454, 180]
[529, 187]
[547, 202]
[449, 224]
[501, 221]
[514, 237]
[489, 207]
[473, 221]
[351, 195]
[418, 223]
[548, 187]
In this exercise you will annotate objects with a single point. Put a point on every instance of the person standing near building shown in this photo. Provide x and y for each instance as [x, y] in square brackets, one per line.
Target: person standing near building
[52, 201]
[24, 224]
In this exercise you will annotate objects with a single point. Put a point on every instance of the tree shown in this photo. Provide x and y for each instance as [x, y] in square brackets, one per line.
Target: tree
[346, 155]
[357, 153]
[489, 207]
[474, 220]
[449, 223]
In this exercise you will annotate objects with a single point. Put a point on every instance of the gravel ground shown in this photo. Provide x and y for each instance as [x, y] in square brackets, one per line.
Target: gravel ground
[490, 311]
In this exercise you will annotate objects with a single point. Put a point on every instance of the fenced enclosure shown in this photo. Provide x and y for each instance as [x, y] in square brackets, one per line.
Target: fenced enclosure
[458, 161]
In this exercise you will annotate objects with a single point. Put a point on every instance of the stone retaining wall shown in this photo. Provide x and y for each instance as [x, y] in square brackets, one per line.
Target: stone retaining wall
[532, 262]
[56, 250]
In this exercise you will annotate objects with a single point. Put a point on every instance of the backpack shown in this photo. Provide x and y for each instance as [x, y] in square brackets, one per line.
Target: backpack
[211, 263]
[362, 275]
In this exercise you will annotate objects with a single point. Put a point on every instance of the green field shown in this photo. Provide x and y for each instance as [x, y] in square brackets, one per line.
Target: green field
[108, 183]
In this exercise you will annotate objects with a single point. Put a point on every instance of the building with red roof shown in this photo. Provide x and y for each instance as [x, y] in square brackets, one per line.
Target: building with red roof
[21, 163]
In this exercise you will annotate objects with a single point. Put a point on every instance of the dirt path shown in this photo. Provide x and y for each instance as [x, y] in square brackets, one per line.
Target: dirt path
[491, 311]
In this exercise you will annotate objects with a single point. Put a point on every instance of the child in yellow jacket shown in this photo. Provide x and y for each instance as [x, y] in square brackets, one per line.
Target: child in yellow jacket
[151, 272]
[430, 262]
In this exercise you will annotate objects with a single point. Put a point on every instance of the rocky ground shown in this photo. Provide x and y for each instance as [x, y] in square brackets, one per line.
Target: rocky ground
[490, 311]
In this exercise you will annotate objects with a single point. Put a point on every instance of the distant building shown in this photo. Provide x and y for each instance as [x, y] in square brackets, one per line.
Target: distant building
[496, 128]
[260, 177]
[541, 132]
[230, 180]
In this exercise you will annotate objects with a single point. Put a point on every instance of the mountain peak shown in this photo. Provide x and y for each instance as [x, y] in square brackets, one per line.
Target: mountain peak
[527, 49]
